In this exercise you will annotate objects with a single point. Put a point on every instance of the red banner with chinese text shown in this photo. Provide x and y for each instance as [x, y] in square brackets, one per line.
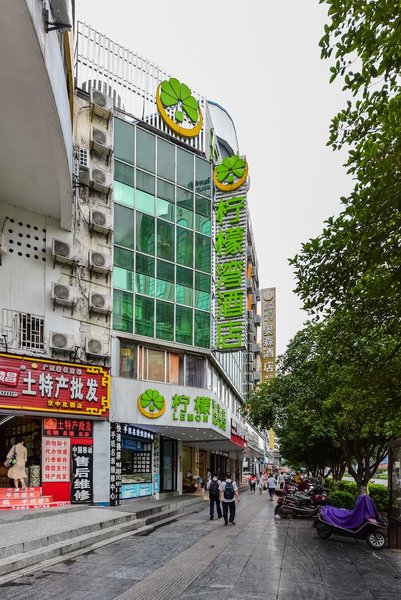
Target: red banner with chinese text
[46, 386]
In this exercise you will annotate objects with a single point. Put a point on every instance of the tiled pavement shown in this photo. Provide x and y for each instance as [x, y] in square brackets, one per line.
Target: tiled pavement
[194, 558]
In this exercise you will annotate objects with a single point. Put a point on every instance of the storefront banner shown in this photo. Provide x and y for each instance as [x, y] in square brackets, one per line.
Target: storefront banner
[55, 459]
[45, 386]
[268, 353]
[82, 466]
[154, 405]
[73, 428]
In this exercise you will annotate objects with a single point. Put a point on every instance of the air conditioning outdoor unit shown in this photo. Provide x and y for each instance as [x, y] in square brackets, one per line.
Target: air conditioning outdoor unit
[99, 303]
[63, 252]
[250, 377]
[101, 140]
[99, 262]
[63, 294]
[62, 341]
[100, 180]
[95, 347]
[100, 221]
[102, 104]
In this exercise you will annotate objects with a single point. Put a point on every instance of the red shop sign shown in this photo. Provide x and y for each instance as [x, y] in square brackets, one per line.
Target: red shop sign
[47, 386]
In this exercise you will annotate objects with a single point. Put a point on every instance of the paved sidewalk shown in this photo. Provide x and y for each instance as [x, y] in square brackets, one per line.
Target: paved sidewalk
[193, 558]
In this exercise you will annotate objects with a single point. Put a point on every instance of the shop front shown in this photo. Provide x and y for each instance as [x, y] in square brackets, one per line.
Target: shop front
[54, 408]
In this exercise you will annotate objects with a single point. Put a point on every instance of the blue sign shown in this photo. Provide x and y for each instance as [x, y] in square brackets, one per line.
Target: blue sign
[136, 490]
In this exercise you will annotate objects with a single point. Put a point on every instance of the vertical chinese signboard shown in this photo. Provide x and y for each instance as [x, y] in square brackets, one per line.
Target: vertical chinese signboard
[55, 460]
[82, 472]
[230, 247]
[115, 464]
[268, 353]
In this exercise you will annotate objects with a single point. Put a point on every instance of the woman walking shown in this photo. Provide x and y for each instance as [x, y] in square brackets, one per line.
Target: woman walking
[17, 470]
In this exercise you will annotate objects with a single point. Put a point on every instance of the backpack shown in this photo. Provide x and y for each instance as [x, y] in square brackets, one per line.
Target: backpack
[214, 489]
[229, 491]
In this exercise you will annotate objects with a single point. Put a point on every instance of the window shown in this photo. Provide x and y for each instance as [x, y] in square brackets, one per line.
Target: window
[202, 177]
[202, 291]
[185, 168]
[124, 258]
[176, 368]
[124, 226]
[203, 211]
[144, 316]
[185, 207]
[165, 190]
[124, 173]
[164, 321]
[122, 311]
[165, 240]
[184, 286]
[185, 253]
[202, 329]
[123, 194]
[155, 365]
[128, 358]
[195, 371]
[123, 279]
[165, 281]
[145, 273]
[145, 233]
[165, 159]
[145, 192]
[202, 253]
[183, 333]
[145, 150]
[30, 332]
[124, 140]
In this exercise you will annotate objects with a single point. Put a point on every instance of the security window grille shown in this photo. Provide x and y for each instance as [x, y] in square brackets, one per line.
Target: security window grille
[30, 331]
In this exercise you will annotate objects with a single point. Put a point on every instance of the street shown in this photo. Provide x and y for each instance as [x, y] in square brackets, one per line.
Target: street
[260, 557]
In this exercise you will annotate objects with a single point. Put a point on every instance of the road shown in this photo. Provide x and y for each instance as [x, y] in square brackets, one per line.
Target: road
[259, 558]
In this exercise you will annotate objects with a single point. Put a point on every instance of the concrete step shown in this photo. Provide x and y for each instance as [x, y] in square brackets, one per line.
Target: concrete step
[20, 556]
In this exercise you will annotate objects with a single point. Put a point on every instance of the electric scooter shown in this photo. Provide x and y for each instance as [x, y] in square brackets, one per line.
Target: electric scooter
[363, 522]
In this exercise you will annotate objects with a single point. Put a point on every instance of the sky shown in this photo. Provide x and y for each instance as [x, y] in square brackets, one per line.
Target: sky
[261, 61]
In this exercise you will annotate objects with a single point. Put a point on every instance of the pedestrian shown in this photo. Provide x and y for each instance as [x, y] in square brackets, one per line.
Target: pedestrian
[17, 470]
[214, 496]
[297, 478]
[260, 483]
[271, 486]
[253, 483]
[281, 480]
[228, 495]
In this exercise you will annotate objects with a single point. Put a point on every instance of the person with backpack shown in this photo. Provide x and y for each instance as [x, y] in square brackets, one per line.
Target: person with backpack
[228, 494]
[213, 485]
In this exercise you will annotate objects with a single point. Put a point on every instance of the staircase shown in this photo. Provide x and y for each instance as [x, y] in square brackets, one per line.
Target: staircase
[12, 499]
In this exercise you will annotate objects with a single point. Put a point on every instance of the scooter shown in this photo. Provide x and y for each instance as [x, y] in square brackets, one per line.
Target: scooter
[297, 504]
[363, 522]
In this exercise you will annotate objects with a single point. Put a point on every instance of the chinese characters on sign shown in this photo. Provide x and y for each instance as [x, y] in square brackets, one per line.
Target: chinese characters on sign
[115, 464]
[268, 354]
[47, 386]
[55, 459]
[73, 428]
[201, 409]
[230, 246]
[82, 465]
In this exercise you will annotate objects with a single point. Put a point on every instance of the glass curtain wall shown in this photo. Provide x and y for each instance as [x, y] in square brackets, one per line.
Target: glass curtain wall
[162, 252]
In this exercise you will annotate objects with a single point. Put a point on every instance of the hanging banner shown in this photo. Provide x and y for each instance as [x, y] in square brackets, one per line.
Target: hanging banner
[55, 459]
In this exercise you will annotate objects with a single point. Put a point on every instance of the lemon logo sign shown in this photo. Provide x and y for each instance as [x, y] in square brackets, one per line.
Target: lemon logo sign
[151, 404]
[178, 108]
[230, 174]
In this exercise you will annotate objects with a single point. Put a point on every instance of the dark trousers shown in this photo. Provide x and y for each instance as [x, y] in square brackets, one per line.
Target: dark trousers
[228, 506]
[212, 501]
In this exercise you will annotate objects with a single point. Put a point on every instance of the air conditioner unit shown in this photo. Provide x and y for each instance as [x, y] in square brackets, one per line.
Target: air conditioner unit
[3, 246]
[101, 140]
[63, 252]
[256, 319]
[62, 341]
[99, 262]
[63, 294]
[100, 180]
[99, 303]
[250, 377]
[100, 221]
[95, 347]
[251, 347]
[102, 104]
[61, 12]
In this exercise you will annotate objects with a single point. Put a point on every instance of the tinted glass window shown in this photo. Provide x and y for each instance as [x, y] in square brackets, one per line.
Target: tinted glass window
[124, 173]
[122, 311]
[203, 253]
[165, 240]
[124, 226]
[202, 329]
[123, 194]
[165, 159]
[145, 150]
[202, 177]
[183, 325]
[124, 138]
[144, 316]
[164, 320]
[184, 247]
[124, 258]
[185, 169]
[145, 233]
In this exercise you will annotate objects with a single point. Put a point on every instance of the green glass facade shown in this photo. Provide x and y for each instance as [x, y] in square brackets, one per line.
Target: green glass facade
[162, 239]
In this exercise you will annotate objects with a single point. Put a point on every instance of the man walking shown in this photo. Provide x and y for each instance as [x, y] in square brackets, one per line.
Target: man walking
[271, 486]
[228, 494]
[213, 485]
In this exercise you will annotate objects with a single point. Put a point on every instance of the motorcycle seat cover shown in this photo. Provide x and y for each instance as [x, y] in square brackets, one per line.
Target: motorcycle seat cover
[364, 510]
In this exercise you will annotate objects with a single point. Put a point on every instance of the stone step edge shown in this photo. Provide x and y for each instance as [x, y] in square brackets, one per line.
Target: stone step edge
[16, 516]
[62, 553]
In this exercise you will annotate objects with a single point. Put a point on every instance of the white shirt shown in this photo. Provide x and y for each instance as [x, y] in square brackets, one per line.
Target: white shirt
[223, 487]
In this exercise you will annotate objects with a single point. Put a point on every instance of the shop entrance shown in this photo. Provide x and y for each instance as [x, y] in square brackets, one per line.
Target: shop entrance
[30, 429]
[168, 464]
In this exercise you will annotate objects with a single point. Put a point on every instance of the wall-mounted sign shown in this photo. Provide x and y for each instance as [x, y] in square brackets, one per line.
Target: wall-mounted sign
[55, 460]
[72, 428]
[82, 472]
[268, 351]
[151, 404]
[37, 385]
[231, 174]
[115, 464]
[178, 108]
[230, 245]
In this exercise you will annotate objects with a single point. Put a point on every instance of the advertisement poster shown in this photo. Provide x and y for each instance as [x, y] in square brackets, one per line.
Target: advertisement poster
[55, 459]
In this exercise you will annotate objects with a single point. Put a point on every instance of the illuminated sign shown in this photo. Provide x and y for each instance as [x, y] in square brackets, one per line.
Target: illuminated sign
[38, 385]
[230, 245]
[268, 352]
[231, 174]
[178, 108]
[151, 404]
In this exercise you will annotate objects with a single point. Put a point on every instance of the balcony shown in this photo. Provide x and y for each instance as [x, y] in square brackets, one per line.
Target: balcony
[35, 125]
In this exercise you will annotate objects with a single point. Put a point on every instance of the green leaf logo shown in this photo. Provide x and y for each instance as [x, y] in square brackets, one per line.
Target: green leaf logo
[232, 167]
[151, 401]
[178, 95]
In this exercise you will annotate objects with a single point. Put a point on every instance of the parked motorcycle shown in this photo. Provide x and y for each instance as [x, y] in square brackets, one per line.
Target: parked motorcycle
[297, 504]
[363, 522]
